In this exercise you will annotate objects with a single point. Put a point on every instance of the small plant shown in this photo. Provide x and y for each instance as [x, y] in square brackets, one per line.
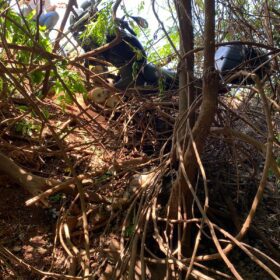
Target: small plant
[27, 128]
[56, 197]
[68, 83]
[129, 230]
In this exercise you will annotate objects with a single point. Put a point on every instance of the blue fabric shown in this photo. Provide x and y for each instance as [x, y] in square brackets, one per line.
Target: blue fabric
[49, 19]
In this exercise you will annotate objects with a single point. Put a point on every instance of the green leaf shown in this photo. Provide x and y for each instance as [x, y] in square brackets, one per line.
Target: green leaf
[37, 77]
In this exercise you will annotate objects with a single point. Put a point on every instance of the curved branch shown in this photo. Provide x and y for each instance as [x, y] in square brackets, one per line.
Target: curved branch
[250, 140]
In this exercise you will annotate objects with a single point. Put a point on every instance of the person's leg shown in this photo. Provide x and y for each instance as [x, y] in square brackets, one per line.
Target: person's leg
[49, 19]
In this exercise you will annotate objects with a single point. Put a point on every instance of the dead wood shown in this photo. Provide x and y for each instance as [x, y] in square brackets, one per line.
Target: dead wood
[32, 183]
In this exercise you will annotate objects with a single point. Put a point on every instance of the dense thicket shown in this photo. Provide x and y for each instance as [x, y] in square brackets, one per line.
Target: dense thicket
[180, 183]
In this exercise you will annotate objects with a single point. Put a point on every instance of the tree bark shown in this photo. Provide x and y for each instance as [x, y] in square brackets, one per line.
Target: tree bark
[188, 163]
[31, 183]
[186, 65]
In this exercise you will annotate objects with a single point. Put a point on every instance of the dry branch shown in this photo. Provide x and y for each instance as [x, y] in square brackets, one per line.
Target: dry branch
[226, 131]
[32, 183]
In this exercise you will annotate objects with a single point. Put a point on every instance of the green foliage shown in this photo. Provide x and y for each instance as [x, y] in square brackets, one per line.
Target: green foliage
[37, 77]
[165, 49]
[22, 32]
[200, 4]
[97, 29]
[135, 70]
[141, 6]
[22, 108]
[69, 83]
[129, 231]
[25, 30]
[45, 113]
[56, 197]
[135, 27]
[27, 128]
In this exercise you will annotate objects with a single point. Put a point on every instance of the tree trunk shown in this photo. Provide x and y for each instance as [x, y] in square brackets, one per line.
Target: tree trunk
[188, 162]
[186, 65]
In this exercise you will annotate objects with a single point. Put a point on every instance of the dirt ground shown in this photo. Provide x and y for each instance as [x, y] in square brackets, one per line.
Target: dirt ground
[30, 232]
[27, 231]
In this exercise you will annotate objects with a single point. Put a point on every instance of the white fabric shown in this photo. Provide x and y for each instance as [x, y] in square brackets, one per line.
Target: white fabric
[35, 4]
[47, 5]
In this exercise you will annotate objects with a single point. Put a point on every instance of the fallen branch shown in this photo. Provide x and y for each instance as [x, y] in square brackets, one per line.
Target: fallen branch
[53, 190]
[9, 255]
[32, 183]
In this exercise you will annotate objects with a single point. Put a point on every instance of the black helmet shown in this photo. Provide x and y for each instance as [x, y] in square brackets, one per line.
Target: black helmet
[86, 4]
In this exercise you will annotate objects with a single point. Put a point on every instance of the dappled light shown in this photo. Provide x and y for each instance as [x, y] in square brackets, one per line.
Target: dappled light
[136, 147]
